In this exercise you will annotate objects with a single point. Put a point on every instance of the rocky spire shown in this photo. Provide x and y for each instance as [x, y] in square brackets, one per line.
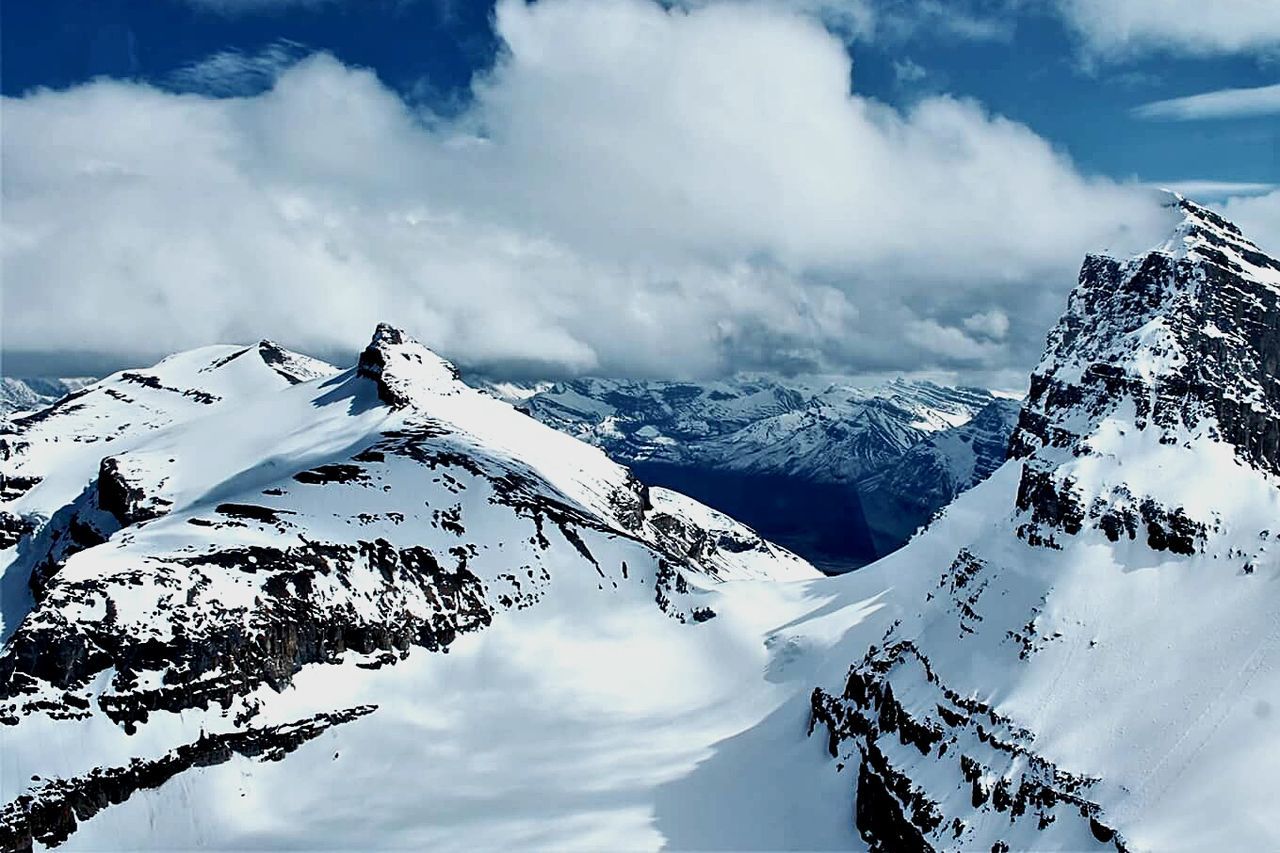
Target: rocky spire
[400, 366]
[1189, 333]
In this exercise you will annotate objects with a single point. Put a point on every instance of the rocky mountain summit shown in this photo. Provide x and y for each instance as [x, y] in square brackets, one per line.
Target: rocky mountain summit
[1094, 663]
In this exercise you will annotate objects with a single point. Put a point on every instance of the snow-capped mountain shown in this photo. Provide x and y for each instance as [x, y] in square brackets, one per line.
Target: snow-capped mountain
[1084, 653]
[817, 467]
[188, 540]
[28, 394]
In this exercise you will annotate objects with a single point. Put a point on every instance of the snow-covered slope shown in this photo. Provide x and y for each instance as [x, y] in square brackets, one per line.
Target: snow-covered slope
[27, 394]
[240, 533]
[48, 456]
[1097, 664]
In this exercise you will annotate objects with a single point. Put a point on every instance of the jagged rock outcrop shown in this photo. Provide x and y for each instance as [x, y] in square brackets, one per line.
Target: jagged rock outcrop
[395, 386]
[52, 811]
[1188, 335]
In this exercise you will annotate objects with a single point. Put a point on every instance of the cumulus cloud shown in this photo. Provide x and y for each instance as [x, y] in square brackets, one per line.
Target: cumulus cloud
[1125, 27]
[633, 189]
[1223, 103]
[993, 324]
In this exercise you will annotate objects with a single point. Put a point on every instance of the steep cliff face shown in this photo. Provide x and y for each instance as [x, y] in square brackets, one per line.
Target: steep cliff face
[1188, 337]
[343, 519]
[1095, 667]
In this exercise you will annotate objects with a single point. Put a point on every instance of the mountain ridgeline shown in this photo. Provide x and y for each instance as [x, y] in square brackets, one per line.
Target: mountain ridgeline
[189, 537]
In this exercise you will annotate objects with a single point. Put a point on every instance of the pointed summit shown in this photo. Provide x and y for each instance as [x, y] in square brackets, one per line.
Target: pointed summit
[294, 367]
[1187, 335]
[1204, 235]
[402, 367]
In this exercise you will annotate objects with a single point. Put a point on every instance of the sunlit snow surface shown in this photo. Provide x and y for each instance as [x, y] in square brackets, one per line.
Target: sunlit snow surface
[584, 719]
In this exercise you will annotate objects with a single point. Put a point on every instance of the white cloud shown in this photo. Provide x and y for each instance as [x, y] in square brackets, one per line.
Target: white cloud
[1115, 28]
[993, 324]
[901, 20]
[633, 190]
[1224, 103]
[907, 70]
[1258, 217]
[1207, 191]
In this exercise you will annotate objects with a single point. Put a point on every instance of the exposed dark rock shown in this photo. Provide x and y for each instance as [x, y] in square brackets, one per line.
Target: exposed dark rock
[376, 364]
[13, 528]
[343, 472]
[896, 814]
[251, 512]
[126, 500]
[51, 812]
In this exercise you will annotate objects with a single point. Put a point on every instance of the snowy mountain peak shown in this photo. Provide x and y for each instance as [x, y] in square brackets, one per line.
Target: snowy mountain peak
[1205, 235]
[1085, 638]
[403, 368]
[1184, 336]
[293, 367]
[193, 537]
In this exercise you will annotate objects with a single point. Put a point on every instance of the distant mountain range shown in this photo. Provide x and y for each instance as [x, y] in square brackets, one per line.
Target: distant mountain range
[28, 394]
[840, 473]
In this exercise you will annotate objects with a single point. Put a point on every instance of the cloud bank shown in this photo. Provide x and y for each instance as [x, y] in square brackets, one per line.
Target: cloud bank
[634, 190]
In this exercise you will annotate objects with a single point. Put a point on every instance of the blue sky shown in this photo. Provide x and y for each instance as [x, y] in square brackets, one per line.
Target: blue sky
[611, 186]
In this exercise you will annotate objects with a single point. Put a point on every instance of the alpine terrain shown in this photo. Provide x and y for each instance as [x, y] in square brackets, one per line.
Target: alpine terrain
[253, 601]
